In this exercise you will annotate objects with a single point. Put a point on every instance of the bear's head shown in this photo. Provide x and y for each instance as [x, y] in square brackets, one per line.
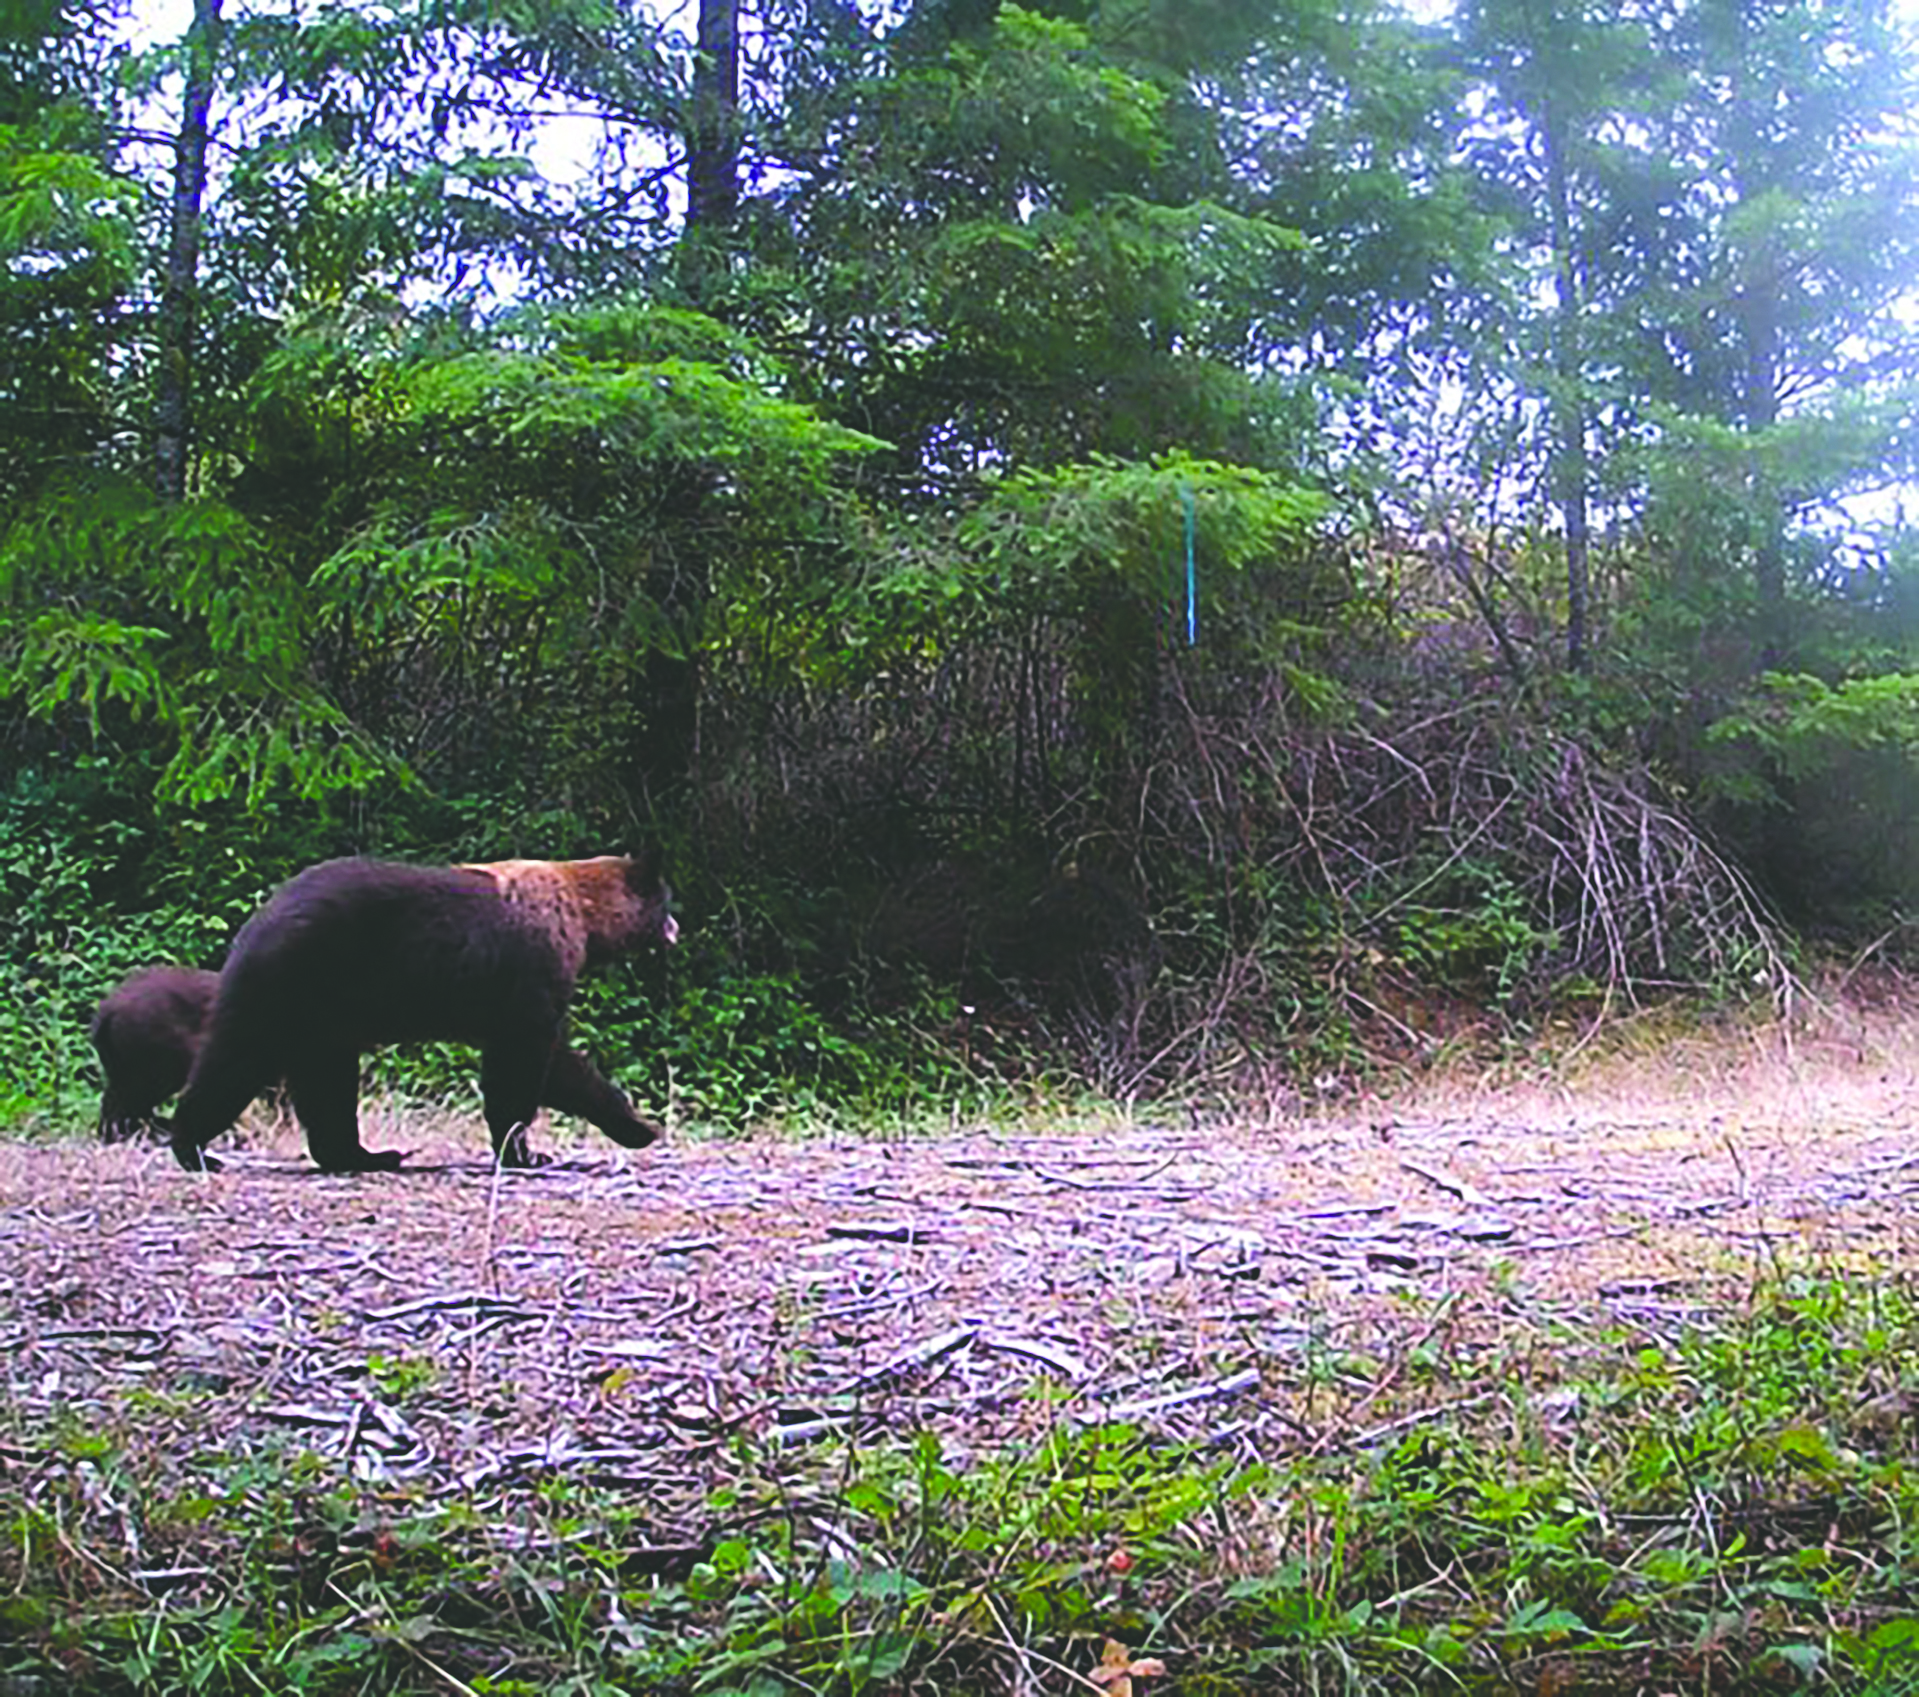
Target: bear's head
[625, 903]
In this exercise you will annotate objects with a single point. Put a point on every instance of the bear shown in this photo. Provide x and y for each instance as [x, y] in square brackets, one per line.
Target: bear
[351, 954]
[146, 1034]
[148, 1031]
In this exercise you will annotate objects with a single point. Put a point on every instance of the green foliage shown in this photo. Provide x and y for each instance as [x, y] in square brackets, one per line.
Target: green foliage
[1102, 547]
[1467, 925]
[1797, 720]
[521, 486]
[1036, 112]
[61, 209]
[225, 680]
[732, 1053]
[67, 253]
[1050, 533]
[503, 409]
[1611, 1503]
[61, 947]
[93, 887]
[730, 1050]
[1820, 777]
[93, 891]
[877, 565]
[402, 1378]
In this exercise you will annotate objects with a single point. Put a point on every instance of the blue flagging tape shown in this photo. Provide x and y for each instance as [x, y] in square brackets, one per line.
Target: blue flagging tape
[1192, 572]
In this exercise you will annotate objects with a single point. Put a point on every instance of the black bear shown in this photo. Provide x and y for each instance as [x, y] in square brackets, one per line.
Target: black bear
[148, 1031]
[146, 1034]
[351, 954]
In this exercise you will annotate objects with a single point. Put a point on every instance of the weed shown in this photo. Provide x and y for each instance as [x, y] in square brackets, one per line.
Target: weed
[1493, 1499]
[402, 1378]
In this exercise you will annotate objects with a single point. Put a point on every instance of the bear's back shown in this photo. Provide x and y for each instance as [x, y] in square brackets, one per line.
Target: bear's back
[371, 951]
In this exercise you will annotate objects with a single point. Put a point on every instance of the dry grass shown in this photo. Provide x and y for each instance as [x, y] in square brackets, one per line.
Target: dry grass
[621, 1316]
[1511, 1341]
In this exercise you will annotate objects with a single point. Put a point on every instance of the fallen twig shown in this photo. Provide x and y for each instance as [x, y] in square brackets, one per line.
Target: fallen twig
[1232, 1385]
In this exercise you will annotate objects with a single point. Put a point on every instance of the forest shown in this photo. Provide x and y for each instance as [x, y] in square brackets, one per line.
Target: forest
[1143, 546]
[1202, 601]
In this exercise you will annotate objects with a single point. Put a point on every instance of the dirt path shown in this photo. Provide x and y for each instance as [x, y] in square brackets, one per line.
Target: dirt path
[622, 1317]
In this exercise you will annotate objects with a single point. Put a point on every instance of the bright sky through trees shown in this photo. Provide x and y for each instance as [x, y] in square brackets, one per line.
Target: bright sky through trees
[559, 146]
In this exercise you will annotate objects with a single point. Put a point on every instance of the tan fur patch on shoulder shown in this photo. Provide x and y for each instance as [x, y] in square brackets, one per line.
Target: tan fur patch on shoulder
[541, 890]
[575, 901]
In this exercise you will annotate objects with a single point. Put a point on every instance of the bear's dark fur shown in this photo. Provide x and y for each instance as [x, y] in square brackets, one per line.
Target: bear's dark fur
[148, 1031]
[352, 954]
[146, 1034]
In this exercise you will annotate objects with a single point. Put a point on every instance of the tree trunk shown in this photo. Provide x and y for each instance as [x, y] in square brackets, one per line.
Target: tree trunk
[1769, 518]
[712, 144]
[1570, 470]
[180, 288]
[666, 762]
[1754, 105]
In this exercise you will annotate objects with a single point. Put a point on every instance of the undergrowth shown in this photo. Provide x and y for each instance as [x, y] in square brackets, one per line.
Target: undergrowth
[1727, 1507]
[712, 1039]
[838, 970]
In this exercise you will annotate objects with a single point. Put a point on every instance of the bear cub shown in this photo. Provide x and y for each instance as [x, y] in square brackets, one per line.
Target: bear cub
[146, 1034]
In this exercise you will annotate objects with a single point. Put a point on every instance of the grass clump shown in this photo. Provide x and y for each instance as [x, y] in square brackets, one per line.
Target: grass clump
[1724, 1503]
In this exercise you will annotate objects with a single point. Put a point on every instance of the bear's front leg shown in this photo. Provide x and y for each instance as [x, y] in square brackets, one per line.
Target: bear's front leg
[575, 1086]
[224, 1081]
[325, 1088]
[191, 1154]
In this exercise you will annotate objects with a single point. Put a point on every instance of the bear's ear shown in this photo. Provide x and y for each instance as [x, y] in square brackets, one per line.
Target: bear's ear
[643, 871]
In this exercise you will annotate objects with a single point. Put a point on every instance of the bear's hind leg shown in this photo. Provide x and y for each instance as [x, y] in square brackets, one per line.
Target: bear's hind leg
[325, 1088]
[511, 1075]
[121, 1120]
